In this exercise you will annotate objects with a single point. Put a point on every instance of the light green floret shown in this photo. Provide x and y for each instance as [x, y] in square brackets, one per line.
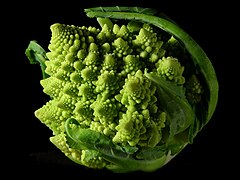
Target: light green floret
[138, 93]
[109, 63]
[105, 34]
[171, 69]
[121, 47]
[138, 96]
[131, 65]
[52, 87]
[89, 158]
[53, 116]
[148, 44]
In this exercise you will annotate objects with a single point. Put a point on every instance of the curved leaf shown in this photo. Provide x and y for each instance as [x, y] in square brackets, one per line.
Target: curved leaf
[121, 158]
[172, 100]
[37, 55]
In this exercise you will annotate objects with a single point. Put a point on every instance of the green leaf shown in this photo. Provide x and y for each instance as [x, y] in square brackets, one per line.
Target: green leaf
[37, 55]
[141, 10]
[172, 100]
[121, 158]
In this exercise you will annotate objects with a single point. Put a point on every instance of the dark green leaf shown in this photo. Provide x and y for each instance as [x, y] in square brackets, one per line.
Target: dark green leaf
[121, 159]
[37, 55]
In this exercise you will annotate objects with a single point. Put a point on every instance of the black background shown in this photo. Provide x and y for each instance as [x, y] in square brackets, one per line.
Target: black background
[30, 154]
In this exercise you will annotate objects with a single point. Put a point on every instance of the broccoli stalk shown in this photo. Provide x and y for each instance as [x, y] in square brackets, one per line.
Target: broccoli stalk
[126, 96]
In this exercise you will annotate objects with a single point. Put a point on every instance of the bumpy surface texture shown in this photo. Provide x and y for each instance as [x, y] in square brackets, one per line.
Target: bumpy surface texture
[96, 76]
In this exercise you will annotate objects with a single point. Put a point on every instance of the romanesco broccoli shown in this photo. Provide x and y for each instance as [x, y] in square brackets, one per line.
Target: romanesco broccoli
[122, 95]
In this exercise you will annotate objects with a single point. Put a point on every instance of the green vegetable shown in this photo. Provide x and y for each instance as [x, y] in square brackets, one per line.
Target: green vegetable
[127, 95]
